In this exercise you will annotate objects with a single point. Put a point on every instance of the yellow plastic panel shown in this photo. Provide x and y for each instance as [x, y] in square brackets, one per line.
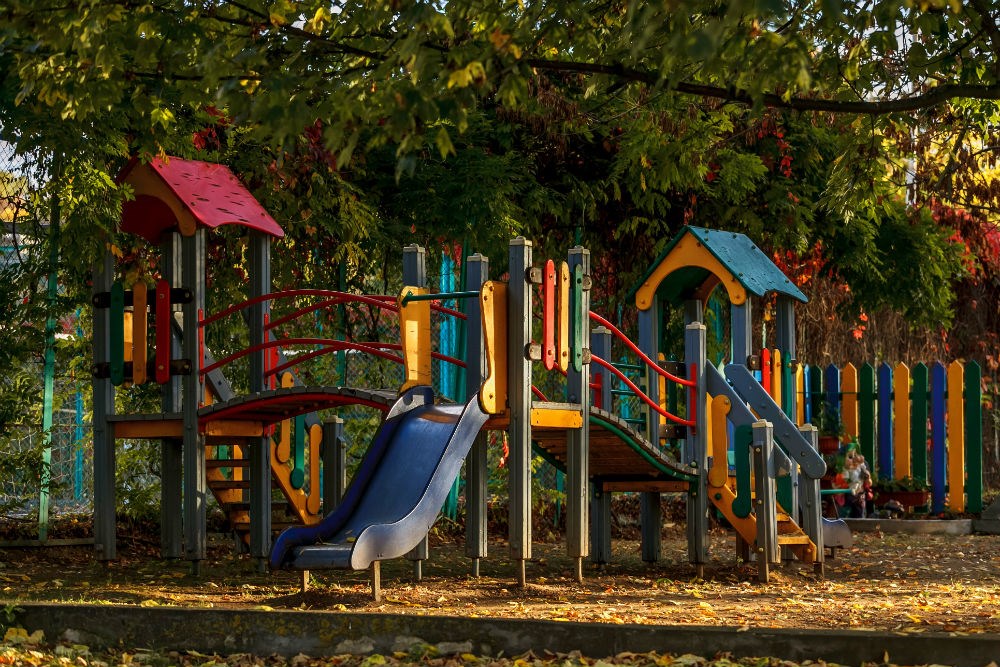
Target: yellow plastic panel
[901, 421]
[800, 393]
[689, 252]
[415, 336]
[956, 437]
[718, 439]
[563, 314]
[556, 418]
[849, 403]
[776, 376]
[493, 301]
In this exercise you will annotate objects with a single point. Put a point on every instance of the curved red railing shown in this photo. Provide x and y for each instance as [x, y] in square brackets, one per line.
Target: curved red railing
[646, 399]
[686, 382]
[338, 345]
[378, 300]
[333, 297]
[281, 342]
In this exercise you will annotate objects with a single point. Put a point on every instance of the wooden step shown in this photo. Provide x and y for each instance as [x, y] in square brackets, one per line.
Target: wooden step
[793, 539]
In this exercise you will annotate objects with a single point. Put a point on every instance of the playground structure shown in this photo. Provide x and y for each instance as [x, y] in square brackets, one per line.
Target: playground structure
[218, 442]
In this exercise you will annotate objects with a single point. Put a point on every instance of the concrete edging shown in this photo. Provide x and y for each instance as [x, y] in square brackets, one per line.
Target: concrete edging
[913, 526]
[320, 633]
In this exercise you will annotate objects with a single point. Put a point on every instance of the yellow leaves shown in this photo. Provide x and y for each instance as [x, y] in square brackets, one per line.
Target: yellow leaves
[471, 73]
[319, 20]
[21, 636]
[504, 43]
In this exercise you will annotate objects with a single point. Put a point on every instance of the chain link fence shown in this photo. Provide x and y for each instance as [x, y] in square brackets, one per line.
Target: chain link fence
[27, 452]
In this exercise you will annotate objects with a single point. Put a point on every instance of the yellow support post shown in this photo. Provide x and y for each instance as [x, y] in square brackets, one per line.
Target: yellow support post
[901, 421]
[315, 442]
[718, 439]
[849, 402]
[139, 302]
[283, 451]
[956, 437]
[415, 337]
[800, 392]
[493, 301]
[776, 375]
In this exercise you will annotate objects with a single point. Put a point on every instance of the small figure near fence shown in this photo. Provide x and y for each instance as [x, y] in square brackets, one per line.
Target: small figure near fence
[854, 476]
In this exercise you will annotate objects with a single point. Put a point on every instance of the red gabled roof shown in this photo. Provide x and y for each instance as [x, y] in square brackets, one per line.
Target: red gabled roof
[174, 191]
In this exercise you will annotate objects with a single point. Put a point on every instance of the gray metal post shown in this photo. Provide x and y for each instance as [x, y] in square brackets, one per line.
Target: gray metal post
[519, 399]
[650, 516]
[811, 503]
[697, 450]
[415, 275]
[105, 542]
[260, 452]
[600, 526]
[600, 502]
[742, 333]
[334, 463]
[578, 440]
[764, 502]
[171, 450]
[195, 488]
[477, 271]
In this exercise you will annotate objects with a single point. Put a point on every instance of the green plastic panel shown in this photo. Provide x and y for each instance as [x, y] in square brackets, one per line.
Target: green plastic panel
[788, 387]
[918, 421]
[578, 319]
[973, 437]
[783, 492]
[742, 439]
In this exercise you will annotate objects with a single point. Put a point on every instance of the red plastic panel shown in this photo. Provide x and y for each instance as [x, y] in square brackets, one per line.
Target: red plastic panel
[549, 315]
[210, 192]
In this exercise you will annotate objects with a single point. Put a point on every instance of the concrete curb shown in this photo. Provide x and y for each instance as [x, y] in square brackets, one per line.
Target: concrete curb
[913, 526]
[320, 633]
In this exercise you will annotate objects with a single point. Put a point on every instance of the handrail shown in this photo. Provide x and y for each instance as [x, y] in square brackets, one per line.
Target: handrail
[685, 382]
[279, 342]
[638, 392]
[377, 300]
[336, 346]
[439, 296]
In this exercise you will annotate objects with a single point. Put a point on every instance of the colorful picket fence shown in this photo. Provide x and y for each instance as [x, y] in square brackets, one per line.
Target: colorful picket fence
[924, 422]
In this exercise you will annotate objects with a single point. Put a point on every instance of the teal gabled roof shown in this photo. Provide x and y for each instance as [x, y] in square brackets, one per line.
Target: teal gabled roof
[753, 269]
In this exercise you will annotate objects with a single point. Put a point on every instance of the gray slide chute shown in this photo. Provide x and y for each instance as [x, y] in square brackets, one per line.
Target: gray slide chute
[397, 491]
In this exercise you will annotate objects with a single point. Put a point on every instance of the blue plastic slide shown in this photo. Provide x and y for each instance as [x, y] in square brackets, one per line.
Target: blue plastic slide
[397, 492]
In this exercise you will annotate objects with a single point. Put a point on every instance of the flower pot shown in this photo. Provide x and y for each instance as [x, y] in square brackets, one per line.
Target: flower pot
[908, 499]
[829, 444]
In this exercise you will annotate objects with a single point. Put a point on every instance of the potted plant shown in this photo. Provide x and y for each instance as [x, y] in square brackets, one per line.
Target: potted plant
[831, 429]
[909, 492]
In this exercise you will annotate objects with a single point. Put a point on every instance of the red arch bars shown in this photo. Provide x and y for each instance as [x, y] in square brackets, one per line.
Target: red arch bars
[646, 399]
[685, 382]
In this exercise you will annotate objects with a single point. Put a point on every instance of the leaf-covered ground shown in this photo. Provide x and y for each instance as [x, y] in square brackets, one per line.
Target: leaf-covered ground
[903, 583]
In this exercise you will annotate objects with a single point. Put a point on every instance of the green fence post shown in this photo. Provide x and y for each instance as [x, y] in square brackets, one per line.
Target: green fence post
[918, 422]
[866, 415]
[973, 437]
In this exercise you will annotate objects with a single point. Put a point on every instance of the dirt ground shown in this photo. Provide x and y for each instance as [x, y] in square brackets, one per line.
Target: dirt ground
[904, 583]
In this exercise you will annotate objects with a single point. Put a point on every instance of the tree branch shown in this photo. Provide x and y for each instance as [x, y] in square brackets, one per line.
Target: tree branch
[930, 98]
